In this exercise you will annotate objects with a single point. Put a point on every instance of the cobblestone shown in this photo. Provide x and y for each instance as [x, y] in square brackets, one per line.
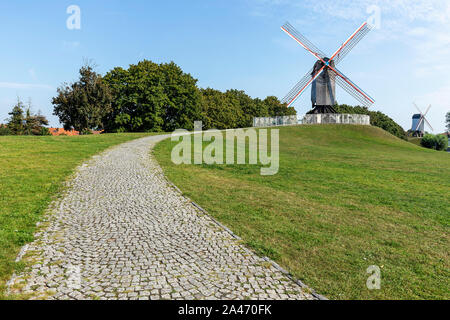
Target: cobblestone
[121, 231]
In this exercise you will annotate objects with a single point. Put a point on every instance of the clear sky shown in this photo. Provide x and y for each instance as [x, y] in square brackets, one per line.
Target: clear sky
[232, 44]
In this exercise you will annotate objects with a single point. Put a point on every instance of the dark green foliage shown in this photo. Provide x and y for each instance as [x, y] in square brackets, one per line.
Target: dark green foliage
[447, 121]
[86, 132]
[275, 108]
[16, 121]
[4, 130]
[220, 110]
[152, 97]
[44, 132]
[83, 104]
[34, 124]
[235, 109]
[28, 124]
[437, 142]
[377, 119]
[161, 97]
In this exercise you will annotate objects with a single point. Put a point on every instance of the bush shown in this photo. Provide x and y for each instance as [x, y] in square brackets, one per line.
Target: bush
[85, 132]
[436, 142]
[441, 142]
[44, 132]
[5, 131]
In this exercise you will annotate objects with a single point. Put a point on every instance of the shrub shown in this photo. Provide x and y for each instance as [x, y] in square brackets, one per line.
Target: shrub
[441, 142]
[44, 132]
[85, 132]
[436, 142]
[5, 131]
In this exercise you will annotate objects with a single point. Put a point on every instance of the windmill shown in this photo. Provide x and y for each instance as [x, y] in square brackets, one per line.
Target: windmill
[418, 122]
[324, 75]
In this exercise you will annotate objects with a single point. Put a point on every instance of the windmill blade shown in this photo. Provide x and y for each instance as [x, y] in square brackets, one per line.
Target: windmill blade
[415, 105]
[426, 121]
[301, 86]
[351, 42]
[303, 41]
[426, 112]
[351, 88]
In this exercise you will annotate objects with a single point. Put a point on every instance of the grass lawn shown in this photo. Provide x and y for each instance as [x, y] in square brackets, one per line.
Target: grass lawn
[345, 198]
[415, 141]
[32, 171]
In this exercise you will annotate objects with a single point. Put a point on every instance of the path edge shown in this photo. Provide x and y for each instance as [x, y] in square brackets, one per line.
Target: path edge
[236, 237]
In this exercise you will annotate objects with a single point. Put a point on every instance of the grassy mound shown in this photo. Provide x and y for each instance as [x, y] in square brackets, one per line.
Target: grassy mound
[32, 171]
[345, 198]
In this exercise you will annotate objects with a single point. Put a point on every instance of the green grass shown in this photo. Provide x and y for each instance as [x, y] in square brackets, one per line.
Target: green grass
[345, 198]
[32, 172]
[415, 141]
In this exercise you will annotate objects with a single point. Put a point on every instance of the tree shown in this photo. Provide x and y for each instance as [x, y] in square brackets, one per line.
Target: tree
[447, 121]
[437, 142]
[277, 109]
[28, 124]
[16, 121]
[83, 104]
[183, 99]
[220, 110]
[236, 109]
[4, 130]
[35, 124]
[152, 97]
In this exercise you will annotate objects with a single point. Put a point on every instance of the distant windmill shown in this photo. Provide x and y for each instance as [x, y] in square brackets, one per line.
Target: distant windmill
[324, 75]
[418, 122]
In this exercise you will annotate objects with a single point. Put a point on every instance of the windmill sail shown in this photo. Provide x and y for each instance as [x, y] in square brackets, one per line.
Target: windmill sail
[325, 75]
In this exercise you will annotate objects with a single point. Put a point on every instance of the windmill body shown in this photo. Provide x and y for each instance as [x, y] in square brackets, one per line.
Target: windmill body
[418, 123]
[323, 89]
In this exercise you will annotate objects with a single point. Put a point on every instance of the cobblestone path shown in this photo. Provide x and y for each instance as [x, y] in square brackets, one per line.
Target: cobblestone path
[121, 231]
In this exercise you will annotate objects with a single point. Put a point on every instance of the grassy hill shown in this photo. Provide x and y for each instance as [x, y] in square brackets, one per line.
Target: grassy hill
[32, 171]
[345, 198]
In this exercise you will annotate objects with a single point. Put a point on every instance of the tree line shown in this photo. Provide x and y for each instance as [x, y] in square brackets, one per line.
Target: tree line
[23, 121]
[151, 97]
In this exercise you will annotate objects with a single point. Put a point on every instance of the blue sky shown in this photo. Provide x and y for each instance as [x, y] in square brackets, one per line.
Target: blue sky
[232, 44]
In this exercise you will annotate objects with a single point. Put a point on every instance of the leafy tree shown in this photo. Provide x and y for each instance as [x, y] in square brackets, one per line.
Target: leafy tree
[33, 124]
[25, 124]
[183, 98]
[4, 130]
[220, 110]
[16, 121]
[275, 108]
[44, 132]
[437, 142]
[83, 104]
[377, 119]
[28, 122]
[152, 97]
[235, 109]
[447, 121]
